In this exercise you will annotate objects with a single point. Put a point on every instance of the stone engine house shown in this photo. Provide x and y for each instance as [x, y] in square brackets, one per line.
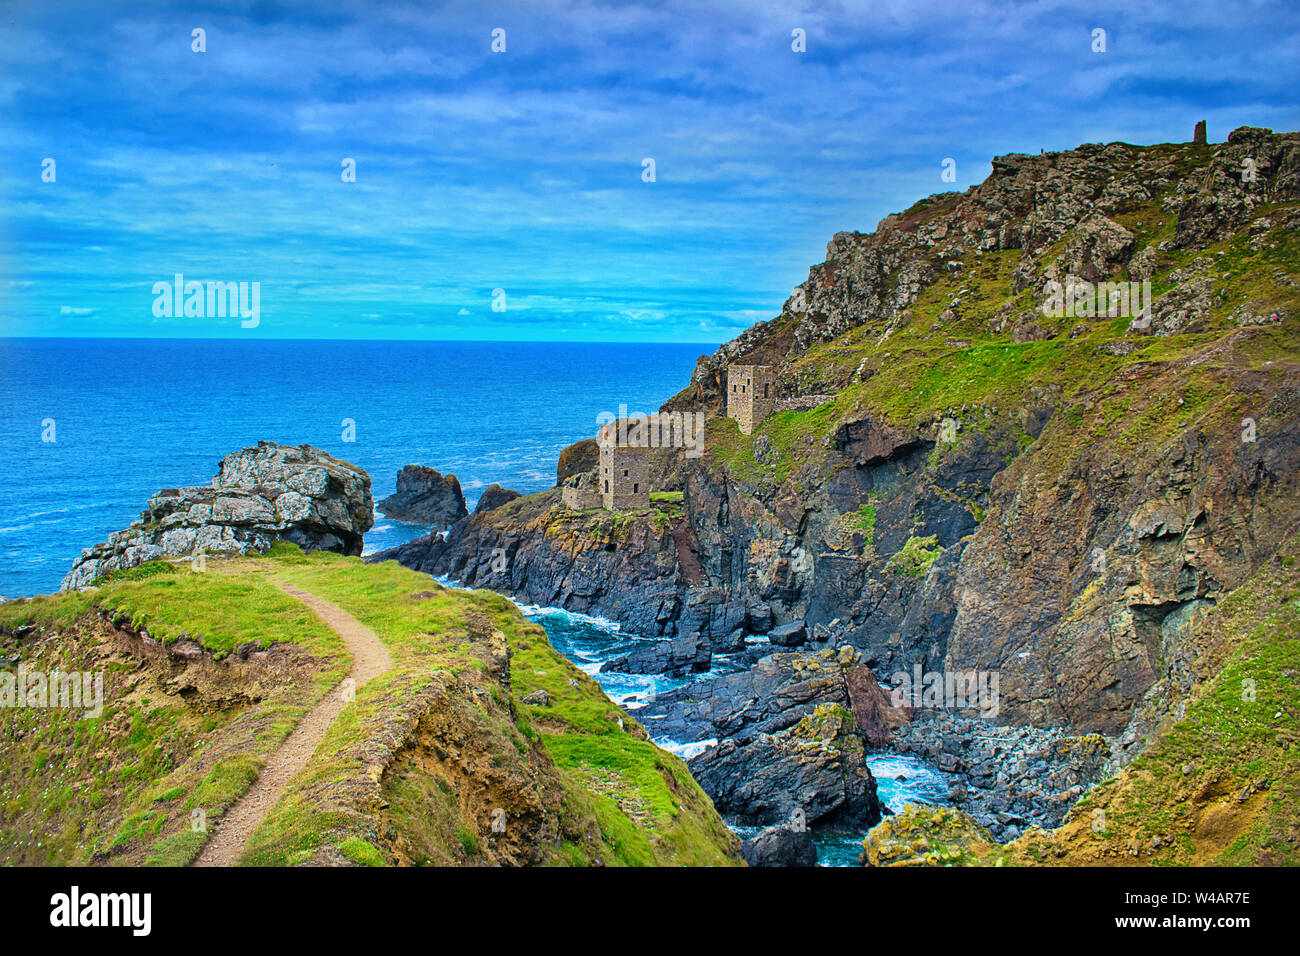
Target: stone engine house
[751, 394]
[623, 473]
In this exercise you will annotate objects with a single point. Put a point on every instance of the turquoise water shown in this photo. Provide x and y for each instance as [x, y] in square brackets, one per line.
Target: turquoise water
[591, 641]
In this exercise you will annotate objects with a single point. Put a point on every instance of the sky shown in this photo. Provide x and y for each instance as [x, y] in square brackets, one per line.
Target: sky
[517, 179]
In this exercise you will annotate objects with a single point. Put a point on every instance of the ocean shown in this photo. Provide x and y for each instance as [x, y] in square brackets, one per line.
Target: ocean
[131, 416]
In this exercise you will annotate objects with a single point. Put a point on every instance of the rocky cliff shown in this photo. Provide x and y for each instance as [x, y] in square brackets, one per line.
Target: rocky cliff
[259, 495]
[999, 452]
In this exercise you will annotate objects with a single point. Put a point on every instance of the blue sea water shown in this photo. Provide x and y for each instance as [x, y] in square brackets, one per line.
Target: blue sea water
[131, 416]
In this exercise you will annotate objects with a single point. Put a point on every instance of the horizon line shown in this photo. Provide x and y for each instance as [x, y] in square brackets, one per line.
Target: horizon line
[162, 338]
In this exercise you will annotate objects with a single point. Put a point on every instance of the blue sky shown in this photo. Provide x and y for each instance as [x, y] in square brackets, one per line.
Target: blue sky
[522, 170]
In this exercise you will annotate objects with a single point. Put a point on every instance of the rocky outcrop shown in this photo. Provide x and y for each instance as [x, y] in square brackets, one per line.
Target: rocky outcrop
[814, 771]
[928, 836]
[780, 846]
[1056, 499]
[1254, 167]
[578, 458]
[425, 496]
[674, 657]
[259, 496]
[622, 566]
[493, 497]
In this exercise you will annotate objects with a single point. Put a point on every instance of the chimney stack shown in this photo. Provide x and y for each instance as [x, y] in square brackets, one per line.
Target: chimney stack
[1198, 138]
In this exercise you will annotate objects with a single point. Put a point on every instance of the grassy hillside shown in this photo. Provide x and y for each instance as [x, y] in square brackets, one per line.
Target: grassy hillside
[438, 761]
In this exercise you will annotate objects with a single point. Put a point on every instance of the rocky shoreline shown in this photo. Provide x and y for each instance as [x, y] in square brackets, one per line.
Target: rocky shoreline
[951, 482]
[1064, 520]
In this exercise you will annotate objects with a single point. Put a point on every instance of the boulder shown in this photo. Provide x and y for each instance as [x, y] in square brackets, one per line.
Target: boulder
[789, 635]
[815, 770]
[1096, 248]
[425, 496]
[493, 497]
[876, 717]
[260, 495]
[780, 846]
[675, 657]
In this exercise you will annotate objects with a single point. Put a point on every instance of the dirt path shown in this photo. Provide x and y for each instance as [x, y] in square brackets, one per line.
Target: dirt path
[369, 659]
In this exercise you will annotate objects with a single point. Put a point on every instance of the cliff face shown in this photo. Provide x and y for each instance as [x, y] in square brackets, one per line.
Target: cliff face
[1058, 495]
[620, 565]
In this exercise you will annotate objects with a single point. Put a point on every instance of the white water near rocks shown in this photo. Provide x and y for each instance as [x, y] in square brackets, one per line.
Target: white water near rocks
[590, 642]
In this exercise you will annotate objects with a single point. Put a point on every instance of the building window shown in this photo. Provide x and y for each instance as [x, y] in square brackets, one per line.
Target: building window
[766, 386]
[635, 486]
[624, 472]
[607, 486]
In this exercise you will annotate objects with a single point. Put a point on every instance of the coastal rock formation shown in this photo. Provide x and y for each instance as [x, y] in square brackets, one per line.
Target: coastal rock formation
[588, 560]
[494, 496]
[780, 846]
[260, 495]
[985, 482]
[926, 836]
[425, 496]
[579, 457]
[814, 771]
[674, 656]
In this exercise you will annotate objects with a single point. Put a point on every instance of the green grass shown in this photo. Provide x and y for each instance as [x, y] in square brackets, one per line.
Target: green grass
[122, 787]
[915, 557]
[221, 611]
[439, 644]
[866, 522]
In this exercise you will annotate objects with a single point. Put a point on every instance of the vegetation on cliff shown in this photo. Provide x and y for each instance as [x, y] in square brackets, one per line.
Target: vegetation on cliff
[1219, 786]
[450, 757]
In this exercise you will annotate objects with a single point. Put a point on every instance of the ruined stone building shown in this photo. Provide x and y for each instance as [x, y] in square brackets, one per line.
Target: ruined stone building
[751, 394]
[623, 472]
[582, 491]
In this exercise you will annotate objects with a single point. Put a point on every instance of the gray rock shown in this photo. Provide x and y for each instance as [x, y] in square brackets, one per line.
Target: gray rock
[677, 656]
[493, 497]
[425, 496]
[789, 635]
[780, 846]
[260, 495]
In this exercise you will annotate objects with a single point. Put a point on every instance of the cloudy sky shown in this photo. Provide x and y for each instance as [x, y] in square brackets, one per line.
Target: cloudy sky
[523, 170]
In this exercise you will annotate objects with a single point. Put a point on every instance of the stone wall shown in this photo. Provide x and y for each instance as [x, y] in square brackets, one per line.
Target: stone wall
[581, 491]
